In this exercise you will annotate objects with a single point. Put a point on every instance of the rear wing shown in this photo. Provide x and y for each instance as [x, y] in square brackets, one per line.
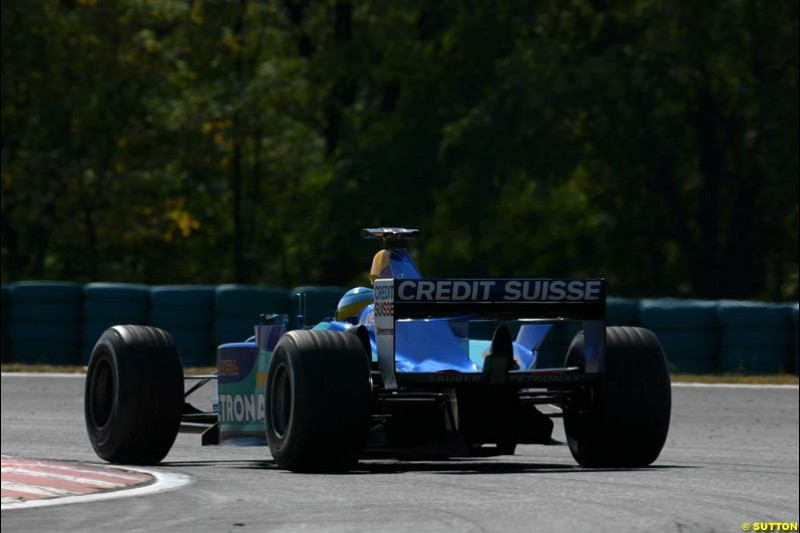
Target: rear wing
[523, 299]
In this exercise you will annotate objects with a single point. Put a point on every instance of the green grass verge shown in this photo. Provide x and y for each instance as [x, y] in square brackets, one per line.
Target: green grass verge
[42, 369]
[777, 379]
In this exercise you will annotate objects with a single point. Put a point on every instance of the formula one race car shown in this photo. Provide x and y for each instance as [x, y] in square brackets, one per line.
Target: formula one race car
[396, 373]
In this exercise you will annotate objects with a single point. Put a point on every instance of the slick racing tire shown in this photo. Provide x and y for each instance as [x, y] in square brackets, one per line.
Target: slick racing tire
[318, 399]
[627, 420]
[134, 395]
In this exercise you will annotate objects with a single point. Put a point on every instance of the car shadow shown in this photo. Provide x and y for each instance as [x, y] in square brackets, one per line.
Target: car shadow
[453, 466]
[472, 467]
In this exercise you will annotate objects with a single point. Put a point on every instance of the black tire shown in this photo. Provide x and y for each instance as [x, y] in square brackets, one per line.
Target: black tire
[319, 396]
[134, 395]
[628, 419]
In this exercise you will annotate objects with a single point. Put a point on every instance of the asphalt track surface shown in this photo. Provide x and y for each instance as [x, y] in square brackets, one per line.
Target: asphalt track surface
[731, 457]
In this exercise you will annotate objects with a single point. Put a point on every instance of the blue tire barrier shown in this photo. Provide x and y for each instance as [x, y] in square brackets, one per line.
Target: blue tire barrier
[795, 332]
[686, 329]
[40, 343]
[186, 311]
[319, 302]
[246, 299]
[768, 339]
[45, 322]
[748, 361]
[176, 318]
[670, 313]
[195, 347]
[691, 365]
[699, 345]
[32, 330]
[132, 293]
[189, 306]
[752, 315]
[6, 300]
[754, 337]
[686, 344]
[227, 330]
[5, 348]
[46, 291]
[622, 312]
[237, 308]
[46, 352]
[182, 296]
[90, 333]
[111, 304]
[62, 312]
[116, 312]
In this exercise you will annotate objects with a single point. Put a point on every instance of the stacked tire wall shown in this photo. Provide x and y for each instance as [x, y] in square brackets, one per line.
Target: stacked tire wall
[622, 312]
[45, 322]
[755, 338]
[187, 312]
[110, 304]
[6, 339]
[795, 332]
[237, 309]
[317, 303]
[58, 323]
[687, 330]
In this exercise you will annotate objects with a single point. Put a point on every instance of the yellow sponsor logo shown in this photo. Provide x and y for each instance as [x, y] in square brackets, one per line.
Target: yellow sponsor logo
[769, 526]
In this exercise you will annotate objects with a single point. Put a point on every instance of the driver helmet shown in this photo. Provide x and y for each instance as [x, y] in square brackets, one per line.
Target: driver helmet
[352, 303]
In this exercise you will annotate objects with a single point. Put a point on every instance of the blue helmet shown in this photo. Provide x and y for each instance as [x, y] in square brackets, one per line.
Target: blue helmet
[353, 302]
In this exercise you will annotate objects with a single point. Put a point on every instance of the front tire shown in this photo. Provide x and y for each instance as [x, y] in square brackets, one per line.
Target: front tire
[318, 403]
[627, 421]
[133, 400]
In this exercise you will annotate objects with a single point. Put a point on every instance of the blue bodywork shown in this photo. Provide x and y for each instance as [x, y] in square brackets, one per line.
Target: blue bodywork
[438, 344]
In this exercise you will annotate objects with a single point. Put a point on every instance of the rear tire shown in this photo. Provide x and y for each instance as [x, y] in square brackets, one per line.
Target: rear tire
[133, 399]
[318, 400]
[627, 422]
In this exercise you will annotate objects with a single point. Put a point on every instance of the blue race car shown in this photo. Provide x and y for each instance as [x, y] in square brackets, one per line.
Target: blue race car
[396, 372]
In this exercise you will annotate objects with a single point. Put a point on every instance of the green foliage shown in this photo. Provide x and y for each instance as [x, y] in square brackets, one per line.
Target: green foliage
[651, 143]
